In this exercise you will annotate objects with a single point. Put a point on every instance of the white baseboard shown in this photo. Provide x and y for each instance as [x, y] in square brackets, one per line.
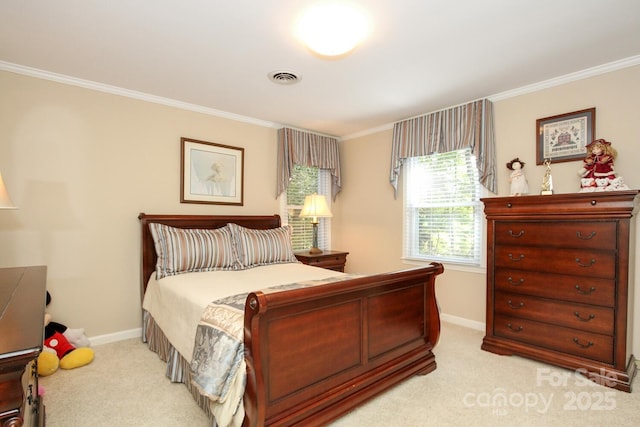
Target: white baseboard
[137, 333]
[461, 321]
[116, 336]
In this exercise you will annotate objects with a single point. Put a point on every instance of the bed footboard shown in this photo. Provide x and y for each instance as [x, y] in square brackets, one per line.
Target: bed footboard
[314, 354]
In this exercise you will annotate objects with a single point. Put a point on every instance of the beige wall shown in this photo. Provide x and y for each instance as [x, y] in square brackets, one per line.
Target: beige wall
[369, 221]
[82, 164]
[614, 95]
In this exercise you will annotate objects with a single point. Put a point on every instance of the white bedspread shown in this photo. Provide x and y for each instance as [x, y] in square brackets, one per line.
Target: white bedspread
[177, 302]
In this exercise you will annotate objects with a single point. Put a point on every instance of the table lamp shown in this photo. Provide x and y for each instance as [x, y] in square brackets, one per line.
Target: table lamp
[5, 200]
[315, 206]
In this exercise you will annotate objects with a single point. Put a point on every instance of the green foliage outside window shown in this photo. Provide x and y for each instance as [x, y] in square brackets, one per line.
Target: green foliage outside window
[304, 181]
[443, 208]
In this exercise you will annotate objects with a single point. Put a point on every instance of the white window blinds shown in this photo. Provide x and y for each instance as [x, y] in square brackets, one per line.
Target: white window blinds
[442, 208]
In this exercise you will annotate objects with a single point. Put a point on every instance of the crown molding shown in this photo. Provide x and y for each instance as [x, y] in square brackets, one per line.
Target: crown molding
[367, 132]
[87, 84]
[546, 84]
[568, 78]
[114, 90]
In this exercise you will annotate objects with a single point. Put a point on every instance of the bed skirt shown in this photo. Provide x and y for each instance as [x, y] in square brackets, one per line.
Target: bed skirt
[178, 369]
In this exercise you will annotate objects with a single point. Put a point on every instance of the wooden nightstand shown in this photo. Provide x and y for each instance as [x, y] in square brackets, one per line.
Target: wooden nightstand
[332, 260]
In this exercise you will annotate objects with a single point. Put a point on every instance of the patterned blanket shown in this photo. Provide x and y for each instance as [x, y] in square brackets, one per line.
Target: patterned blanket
[219, 348]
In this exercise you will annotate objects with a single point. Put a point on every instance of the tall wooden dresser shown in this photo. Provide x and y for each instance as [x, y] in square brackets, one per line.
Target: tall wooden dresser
[558, 281]
[22, 302]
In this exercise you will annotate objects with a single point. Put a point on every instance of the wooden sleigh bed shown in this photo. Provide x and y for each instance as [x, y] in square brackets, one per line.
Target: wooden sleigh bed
[314, 354]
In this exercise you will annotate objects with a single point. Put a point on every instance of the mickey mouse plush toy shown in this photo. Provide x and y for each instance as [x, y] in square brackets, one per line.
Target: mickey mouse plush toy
[63, 347]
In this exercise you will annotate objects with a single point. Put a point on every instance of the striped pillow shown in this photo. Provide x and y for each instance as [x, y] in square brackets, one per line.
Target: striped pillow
[182, 250]
[262, 247]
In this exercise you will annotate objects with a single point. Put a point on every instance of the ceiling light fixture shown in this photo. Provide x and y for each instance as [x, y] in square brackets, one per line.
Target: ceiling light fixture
[332, 29]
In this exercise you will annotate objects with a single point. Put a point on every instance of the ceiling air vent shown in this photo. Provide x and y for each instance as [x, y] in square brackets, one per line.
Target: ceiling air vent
[284, 77]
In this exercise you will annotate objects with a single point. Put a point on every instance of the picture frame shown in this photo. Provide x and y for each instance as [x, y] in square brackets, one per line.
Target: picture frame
[211, 173]
[563, 138]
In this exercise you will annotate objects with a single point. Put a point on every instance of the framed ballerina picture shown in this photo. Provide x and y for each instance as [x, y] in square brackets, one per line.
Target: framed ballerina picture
[211, 173]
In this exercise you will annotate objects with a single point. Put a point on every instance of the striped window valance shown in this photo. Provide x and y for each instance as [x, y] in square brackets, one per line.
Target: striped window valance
[465, 126]
[296, 147]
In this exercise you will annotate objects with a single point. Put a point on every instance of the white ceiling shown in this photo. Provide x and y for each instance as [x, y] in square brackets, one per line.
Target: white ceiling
[423, 55]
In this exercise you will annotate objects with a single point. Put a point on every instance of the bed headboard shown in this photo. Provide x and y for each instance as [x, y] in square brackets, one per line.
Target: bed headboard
[148, 266]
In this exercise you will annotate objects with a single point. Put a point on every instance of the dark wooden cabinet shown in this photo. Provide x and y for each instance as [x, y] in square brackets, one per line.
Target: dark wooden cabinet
[332, 260]
[22, 302]
[558, 281]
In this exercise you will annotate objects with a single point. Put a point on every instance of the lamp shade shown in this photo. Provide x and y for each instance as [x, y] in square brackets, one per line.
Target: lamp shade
[315, 206]
[5, 200]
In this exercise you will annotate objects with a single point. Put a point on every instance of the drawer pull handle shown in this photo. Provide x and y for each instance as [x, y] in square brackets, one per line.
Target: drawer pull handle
[589, 237]
[518, 283]
[577, 341]
[591, 317]
[589, 292]
[593, 261]
[520, 258]
[515, 307]
[520, 233]
[510, 326]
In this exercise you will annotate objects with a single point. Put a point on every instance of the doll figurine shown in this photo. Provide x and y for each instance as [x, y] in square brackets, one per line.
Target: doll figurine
[519, 185]
[597, 171]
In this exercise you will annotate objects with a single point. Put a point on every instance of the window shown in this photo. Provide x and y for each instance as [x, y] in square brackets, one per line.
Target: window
[306, 180]
[442, 210]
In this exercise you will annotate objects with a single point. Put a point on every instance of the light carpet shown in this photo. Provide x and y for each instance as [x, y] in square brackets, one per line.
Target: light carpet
[125, 386]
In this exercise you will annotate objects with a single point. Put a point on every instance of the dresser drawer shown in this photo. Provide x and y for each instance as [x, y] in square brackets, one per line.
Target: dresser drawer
[563, 261]
[33, 408]
[582, 289]
[578, 316]
[557, 338]
[332, 260]
[324, 261]
[579, 234]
